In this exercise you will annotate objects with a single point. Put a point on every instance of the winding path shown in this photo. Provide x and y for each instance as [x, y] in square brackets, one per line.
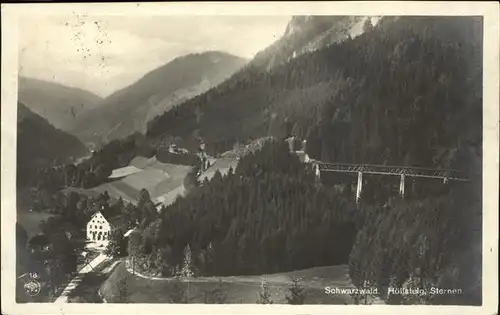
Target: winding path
[341, 282]
[63, 298]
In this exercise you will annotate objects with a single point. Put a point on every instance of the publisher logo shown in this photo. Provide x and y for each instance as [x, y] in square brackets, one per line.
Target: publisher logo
[32, 287]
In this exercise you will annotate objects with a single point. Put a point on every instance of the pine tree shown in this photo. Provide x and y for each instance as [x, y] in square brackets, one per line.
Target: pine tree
[187, 265]
[264, 295]
[297, 293]
[116, 245]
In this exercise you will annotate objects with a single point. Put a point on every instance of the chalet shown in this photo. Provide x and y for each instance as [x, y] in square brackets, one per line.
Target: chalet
[99, 228]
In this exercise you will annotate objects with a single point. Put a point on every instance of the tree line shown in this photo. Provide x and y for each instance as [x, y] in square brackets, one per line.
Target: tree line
[271, 215]
[90, 172]
[268, 215]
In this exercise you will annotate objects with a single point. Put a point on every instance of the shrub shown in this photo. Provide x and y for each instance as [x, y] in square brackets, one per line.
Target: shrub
[297, 293]
[264, 295]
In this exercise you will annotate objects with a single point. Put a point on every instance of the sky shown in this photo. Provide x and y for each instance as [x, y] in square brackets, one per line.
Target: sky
[102, 54]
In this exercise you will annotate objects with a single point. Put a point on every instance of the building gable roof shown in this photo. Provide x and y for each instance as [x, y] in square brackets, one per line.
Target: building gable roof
[113, 221]
[99, 215]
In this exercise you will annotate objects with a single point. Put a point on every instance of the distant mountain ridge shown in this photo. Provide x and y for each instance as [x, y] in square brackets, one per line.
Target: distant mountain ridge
[59, 104]
[128, 110]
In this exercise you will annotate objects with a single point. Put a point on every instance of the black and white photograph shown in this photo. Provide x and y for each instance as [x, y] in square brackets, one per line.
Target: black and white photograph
[270, 157]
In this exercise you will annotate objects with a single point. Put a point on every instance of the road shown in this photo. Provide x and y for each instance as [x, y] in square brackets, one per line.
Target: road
[63, 298]
[342, 279]
[244, 288]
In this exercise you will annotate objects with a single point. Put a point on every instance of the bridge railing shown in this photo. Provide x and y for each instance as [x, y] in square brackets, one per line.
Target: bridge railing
[392, 170]
[411, 171]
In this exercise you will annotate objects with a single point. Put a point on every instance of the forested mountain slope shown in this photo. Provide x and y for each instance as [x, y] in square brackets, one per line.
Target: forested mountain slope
[271, 215]
[406, 92]
[128, 110]
[40, 144]
[260, 218]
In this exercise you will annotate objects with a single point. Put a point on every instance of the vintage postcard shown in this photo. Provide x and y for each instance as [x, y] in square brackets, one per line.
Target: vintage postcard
[250, 157]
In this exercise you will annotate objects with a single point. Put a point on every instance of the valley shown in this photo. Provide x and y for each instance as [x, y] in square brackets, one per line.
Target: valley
[153, 94]
[345, 154]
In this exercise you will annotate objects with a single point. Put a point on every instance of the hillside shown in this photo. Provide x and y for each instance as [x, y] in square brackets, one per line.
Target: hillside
[307, 34]
[129, 109]
[59, 104]
[407, 92]
[358, 101]
[39, 144]
[254, 220]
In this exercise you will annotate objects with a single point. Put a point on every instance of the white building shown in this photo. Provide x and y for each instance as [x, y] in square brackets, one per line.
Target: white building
[98, 229]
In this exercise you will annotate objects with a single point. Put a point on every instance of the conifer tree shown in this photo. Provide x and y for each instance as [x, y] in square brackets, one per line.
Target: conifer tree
[116, 245]
[187, 264]
[264, 295]
[297, 293]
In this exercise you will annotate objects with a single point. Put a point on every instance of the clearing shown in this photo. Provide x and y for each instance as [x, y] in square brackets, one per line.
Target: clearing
[222, 165]
[159, 179]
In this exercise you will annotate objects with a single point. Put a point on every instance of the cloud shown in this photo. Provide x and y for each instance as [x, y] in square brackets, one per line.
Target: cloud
[105, 53]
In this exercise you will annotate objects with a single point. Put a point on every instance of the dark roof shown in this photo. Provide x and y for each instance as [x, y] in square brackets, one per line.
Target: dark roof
[112, 220]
